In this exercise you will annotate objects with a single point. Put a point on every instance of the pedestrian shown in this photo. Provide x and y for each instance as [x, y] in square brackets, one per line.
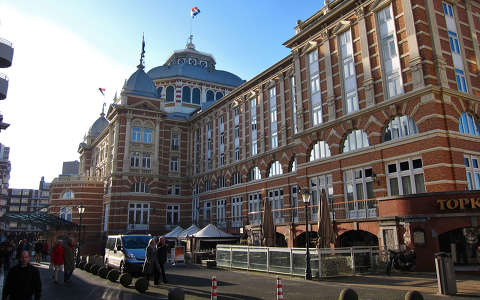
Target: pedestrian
[23, 281]
[57, 259]
[38, 249]
[68, 261]
[162, 250]
[45, 250]
[150, 260]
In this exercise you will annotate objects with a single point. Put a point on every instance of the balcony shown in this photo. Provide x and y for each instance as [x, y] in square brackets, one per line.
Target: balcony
[3, 86]
[6, 53]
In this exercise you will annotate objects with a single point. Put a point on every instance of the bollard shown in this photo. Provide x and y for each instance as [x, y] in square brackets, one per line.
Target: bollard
[413, 295]
[214, 288]
[348, 294]
[279, 288]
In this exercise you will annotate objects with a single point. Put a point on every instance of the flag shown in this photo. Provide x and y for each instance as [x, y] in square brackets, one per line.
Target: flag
[194, 11]
[102, 90]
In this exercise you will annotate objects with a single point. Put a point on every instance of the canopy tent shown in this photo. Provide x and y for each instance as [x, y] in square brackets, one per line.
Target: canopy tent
[174, 233]
[189, 231]
[211, 231]
[41, 220]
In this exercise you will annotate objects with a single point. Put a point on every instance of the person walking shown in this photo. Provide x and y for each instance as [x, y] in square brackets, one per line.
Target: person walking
[162, 251]
[23, 281]
[150, 260]
[68, 261]
[45, 251]
[57, 259]
[38, 248]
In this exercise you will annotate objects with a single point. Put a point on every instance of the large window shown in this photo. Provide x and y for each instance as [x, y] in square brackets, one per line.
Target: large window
[66, 213]
[293, 97]
[293, 165]
[218, 96]
[317, 184]
[196, 96]
[253, 126]
[399, 127]
[276, 202]
[349, 74]
[472, 171]
[359, 185]
[236, 178]
[175, 141]
[390, 57]
[468, 124]
[273, 118]
[174, 189]
[221, 213]
[137, 135]
[315, 92]
[210, 96]
[455, 49]
[186, 96]
[254, 174]
[237, 211]
[174, 164]
[170, 94]
[405, 177]
[147, 161]
[254, 212]
[138, 214]
[275, 169]
[147, 135]
[319, 150]
[140, 187]
[173, 214]
[221, 182]
[357, 139]
[135, 160]
[67, 195]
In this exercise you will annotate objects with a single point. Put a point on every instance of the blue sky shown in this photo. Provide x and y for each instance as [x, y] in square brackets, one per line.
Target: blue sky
[65, 50]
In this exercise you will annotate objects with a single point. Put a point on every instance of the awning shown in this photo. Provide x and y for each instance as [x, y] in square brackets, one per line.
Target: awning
[39, 219]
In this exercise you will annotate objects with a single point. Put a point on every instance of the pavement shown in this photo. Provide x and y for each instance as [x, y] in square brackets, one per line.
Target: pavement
[232, 284]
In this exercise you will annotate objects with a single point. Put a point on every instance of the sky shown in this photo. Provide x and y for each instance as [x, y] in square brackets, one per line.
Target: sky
[66, 50]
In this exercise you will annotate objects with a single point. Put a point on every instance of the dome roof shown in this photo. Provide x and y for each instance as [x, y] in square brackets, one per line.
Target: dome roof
[140, 84]
[195, 72]
[98, 126]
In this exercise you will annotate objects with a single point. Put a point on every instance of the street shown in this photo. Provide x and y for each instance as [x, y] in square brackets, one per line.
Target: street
[196, 282]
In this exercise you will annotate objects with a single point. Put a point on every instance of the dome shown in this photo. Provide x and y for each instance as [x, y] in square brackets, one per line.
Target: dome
[140, 84]
[98, 126]
[195, 72]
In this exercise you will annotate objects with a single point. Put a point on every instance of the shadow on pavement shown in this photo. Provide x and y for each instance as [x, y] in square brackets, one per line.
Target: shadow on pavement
[185, 280]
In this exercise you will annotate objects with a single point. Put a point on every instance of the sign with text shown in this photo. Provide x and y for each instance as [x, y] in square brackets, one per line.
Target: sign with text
[452, 204]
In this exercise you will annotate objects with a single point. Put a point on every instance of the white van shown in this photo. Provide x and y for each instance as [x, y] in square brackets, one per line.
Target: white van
[126, 252]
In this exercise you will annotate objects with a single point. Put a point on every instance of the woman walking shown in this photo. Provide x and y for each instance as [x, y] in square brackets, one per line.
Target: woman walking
[151, 262]
[57, 259]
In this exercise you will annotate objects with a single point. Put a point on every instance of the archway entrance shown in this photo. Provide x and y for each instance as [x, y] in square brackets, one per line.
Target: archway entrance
[300, 240]
[353, 238]
[462, 244]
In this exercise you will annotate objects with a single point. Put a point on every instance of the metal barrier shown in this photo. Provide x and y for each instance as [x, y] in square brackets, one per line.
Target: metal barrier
[325, 262]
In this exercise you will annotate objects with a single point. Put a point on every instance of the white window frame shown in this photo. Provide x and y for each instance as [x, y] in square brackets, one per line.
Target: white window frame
[399, 175]
[237, 154]
[468, 124]
[147, 135]
[275, 196]
[315, 89]
[67, 195]
[255, 174]
[358, 181]
[318, 183]
[275, 169]
[472, 170]
[236, 211]
[349, 73]
[293, 97]
[174, 164]
[400, 127]
[236, 178]
[146, 161]
[320, 150]
[175, 142]
[142, 208]
[140, 187]
[170, 211]
[221, 213]
[65, 213]
[356, 140]
[136, 134]
[254, 209]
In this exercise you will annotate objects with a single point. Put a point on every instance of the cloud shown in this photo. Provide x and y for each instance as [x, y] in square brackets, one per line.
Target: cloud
[53, 95]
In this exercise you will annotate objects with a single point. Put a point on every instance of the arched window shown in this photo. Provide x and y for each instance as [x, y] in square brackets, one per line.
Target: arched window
[140, 187]
[254, 174]
[293, 165]
[218, 96]
[468, 124]
[275, 169]
[210, 96]
[67, 195]
[236, 178]
[196, 96]
[159, 91]
[319, 150]
[357, 139]
[399, 127]
[221, 182]
[186, 94]
[208, 185]
[170, 94]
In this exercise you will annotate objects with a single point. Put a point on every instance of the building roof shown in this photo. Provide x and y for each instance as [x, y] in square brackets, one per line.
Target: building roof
[140, 84]
[174, 233]
[98, 126]
[195, 72]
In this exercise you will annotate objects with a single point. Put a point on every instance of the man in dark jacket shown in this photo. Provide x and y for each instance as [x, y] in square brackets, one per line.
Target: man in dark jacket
[162, 256]
[23, 281]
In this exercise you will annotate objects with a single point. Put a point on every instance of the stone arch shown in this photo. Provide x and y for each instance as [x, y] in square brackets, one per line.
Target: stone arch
[353, 238]
[345, 137]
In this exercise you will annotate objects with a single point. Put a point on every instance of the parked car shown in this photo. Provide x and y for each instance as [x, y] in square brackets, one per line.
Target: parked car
[126, 252]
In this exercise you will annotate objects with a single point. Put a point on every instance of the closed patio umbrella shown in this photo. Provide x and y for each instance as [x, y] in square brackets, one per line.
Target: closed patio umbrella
[267, 225]
[326, 234]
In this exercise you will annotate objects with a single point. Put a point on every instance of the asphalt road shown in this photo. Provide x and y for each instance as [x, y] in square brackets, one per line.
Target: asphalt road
[196, 282]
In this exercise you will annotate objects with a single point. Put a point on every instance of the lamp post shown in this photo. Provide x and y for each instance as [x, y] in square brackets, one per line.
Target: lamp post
[81, 210]
[306, 199]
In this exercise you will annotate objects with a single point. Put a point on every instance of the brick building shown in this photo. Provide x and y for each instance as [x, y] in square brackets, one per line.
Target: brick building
[378, 104]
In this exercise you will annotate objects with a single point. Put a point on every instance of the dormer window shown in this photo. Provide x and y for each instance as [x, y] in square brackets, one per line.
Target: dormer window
[203, 64]
[192, 61]
[181, 60]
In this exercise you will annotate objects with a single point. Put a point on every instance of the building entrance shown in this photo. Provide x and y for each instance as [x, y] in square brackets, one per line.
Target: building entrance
[354, 238]
[463, 244]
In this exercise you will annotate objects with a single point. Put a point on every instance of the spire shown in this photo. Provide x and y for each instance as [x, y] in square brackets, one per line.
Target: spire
[103, 109]
[190, 44]
[142, 54]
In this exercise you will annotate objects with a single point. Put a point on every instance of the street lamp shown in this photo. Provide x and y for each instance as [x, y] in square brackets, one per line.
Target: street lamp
[81, 210]
[306, 199]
